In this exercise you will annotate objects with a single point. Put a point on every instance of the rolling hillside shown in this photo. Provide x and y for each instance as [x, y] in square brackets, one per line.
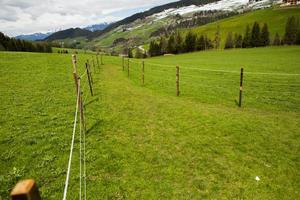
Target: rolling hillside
[141, 28]
[275, 18]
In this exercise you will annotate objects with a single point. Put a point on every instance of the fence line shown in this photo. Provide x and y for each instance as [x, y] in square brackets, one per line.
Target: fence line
[82, 131]
[216, 70]
[166, 76]
[72, 147]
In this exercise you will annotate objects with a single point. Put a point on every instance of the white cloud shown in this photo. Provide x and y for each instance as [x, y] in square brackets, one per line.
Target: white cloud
[28, 16]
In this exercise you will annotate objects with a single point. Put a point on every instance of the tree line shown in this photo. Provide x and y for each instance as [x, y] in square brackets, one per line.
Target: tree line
[12, 44]
[255, 36]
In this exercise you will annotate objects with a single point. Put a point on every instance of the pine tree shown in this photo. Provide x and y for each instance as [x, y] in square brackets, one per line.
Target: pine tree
[179, 47]
[229, 41]
[217, 39]
[238, 41]
[190, 42]
[276, 41]
[208, 43]
[291, 29]
[265, 36]
[2, 47]
[298, 36]
[255, 35]
[247, 38]
[130, 55]
[154, 49]
[163, 45]
[171, 48]
[201, 43]
[151, 49]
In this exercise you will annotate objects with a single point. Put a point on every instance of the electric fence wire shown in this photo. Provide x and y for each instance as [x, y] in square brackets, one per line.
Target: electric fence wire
[71, 148]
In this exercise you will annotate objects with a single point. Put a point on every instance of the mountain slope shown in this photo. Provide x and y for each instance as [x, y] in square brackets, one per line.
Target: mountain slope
[97, 27]
[193, 13]
[34, 36]
[68, 33]
[153, 11]
[275, 18]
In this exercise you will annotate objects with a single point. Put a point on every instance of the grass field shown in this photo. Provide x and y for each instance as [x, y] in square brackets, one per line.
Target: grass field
[143, 142]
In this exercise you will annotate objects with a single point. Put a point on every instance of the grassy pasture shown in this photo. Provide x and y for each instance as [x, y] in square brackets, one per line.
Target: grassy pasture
[213, 76]
[145, 143]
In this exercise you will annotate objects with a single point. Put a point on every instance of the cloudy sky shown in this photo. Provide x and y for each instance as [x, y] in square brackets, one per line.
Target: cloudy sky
[30, 16]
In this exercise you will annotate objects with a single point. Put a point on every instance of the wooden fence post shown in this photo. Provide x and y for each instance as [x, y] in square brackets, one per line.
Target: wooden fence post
[74, 61]
[81, 105]
[94, 65]
[76, 82]
[123, 63]
[90, 72]
[128, 68]
[241, 87]
[98, 60]
[25, 190]
[143, 73]
[101, 59]
[177, 81]
[89, 78]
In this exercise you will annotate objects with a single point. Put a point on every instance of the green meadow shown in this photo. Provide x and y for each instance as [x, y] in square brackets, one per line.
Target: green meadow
[144, 142]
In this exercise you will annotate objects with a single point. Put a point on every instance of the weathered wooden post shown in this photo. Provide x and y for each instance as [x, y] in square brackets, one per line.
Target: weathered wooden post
[81, 105]
[90, 72]
[128, 68]
[74, 62]
[89, 78]
[123, 63]
[94, 65]
[143, 72]
[98, 60]
[177, 81]
[241, 87]
[25, 190]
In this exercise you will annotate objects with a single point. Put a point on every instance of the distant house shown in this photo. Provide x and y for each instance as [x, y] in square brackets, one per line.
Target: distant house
[291, 2]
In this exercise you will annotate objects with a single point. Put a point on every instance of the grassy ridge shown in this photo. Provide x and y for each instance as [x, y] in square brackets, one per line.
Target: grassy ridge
[145, 143]
[275, 18]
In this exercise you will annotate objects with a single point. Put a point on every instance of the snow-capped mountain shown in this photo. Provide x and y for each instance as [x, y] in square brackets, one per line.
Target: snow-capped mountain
[34, 36]
[97, 27]
[222, 5]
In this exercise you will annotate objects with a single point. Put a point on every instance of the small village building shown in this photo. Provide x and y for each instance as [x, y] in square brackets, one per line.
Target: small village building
[291, 2]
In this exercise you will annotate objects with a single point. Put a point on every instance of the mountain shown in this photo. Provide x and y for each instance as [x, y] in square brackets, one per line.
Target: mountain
[153, 11]
[34, 36]
[141, 28]
[68, 33]
[97, 27]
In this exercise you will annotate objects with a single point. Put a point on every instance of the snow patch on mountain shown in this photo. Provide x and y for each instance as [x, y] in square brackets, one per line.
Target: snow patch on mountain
[223, 5]
[34, 36]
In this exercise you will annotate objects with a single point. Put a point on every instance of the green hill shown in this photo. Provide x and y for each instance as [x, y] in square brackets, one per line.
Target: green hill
[275, 18]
